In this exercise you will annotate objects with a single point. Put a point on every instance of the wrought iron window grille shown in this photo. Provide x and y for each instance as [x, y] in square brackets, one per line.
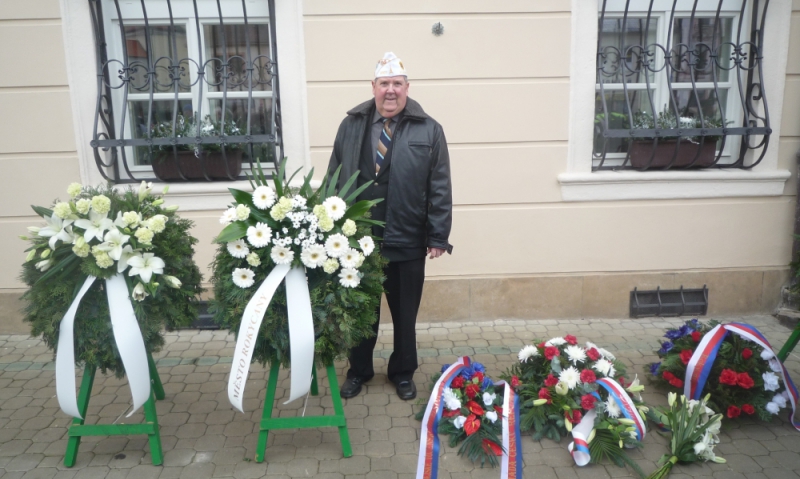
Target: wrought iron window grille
[157, 151]
[708, 72]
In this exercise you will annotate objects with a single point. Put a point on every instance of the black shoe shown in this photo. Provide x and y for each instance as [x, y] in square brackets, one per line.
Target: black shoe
[352, 387]
[406, 390]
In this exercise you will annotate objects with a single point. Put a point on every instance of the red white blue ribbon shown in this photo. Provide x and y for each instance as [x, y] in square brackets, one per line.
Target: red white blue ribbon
[579, 447]
[511, 463]
[699, 367]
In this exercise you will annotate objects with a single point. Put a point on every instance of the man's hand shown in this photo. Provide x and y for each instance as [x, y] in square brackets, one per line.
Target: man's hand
[435, 252]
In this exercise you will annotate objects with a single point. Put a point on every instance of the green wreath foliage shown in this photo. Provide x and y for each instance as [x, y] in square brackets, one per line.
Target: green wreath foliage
[51, 292]
[343, 316]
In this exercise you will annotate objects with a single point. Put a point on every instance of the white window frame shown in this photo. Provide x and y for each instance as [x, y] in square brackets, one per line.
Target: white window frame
[580, 183]
[82, 77]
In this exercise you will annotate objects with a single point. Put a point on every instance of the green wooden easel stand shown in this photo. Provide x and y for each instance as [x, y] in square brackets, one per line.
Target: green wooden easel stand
[790, 344]
[335, 420]
[149, 427]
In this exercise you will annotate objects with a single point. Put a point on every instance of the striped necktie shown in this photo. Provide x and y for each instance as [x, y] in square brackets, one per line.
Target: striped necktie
[384, 140]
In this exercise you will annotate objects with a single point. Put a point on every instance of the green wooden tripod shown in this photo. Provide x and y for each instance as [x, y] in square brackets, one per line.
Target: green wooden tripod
[336, 420]
[149, 427]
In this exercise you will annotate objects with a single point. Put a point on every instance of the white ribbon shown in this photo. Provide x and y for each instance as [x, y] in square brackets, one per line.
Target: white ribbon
[580, 434]
[127, 335]
[301, 333]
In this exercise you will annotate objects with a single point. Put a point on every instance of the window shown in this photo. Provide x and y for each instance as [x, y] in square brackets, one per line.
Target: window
[188, 90]
[679, 85]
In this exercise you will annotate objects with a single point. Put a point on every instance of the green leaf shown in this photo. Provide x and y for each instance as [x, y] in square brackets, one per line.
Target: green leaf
[65, 265]
[42, 211]
[347, 185]
[357, 192]
[305, 190]
[242, 197]
[232, 232]
[261, 177]
[279, 180]
[359, 209]
[333, 182]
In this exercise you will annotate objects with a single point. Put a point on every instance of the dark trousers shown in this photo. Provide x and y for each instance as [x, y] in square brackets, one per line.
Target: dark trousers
[403, 287]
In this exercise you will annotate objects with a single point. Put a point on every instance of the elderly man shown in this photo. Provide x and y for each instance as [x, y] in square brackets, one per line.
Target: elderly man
[392, 144]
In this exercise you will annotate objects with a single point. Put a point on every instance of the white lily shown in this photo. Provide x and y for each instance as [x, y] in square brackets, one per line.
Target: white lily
[122, 262]
[139, 292]
[57, 229]
[114, 241]
[145, 265]
[95, 226]
[144, 189]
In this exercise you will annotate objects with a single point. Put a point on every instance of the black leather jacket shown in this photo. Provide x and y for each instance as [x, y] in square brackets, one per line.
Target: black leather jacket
[419, 209]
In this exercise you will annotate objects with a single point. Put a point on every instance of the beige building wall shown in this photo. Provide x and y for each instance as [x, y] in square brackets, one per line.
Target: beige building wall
[498, 80]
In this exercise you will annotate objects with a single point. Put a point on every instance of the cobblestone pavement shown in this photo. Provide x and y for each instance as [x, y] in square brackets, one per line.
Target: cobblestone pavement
[204, 437]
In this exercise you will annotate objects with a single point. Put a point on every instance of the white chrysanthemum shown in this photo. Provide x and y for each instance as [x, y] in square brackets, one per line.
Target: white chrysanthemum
[604, 367]
[458, 422]
[242, 212]
[766, 354]
[62, 210]
[556, 342]
[259, 235]
[253, 259]
[330, 266]
[335, 207]
[367, 245]
[313, 256]
[606, 354]
[263, 197]
[575, 353]
[348, 277]
[83, 205]
[492, 416]
[74, 189]
[349, 258]
[570, 376]
[488, 398]
[282, 255]
[228, 217]
[772, 408]
[243, 277]
[238, 248]
[612, 408]
[529, 351]
[451, 401]
[349, 228]
[336, 245]
[770, 381]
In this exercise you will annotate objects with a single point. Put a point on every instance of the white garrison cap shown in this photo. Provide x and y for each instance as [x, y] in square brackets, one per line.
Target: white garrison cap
[390, 66]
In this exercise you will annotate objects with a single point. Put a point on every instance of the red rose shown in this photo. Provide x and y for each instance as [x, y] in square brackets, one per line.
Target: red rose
[498, 410]
[472, 424]
[733, 412]
[571, 339]
[667, 375]
[588, 376]
[748, 409]
[550, 352]
[544, 393]
[479, 376]
[686, 355]
[550, 380]
[492, 447]
[475, 408]
[744, 380]
[573, 416]
[472, 390]
[593, 354]
[676, 382]
[457, 383]
[747, 353]
[514, 381]
[587, 401]
[728, 376]
[451, 413]
[696, 336]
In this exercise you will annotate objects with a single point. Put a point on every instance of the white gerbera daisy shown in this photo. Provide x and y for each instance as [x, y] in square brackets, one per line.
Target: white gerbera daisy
[367, 245]
[349, 278]
[612, 408]
[335, 207]
[576, 354]
[259, 235]
[228, 217]
[263, 197]
[282, 255]
[570, 376]
[529, 351]
[556, 342]
[243, 277]
[604, 367]
[313, 256]
[349, 258]
[238, 248]
[336, 245]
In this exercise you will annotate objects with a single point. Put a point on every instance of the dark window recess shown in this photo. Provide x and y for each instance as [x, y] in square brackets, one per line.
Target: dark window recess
[696, 101]
[184, 100]
[669, 302]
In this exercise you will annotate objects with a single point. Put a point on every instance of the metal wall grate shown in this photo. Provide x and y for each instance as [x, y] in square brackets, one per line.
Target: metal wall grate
[185, 92]
[669, 302]
[680, 85]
